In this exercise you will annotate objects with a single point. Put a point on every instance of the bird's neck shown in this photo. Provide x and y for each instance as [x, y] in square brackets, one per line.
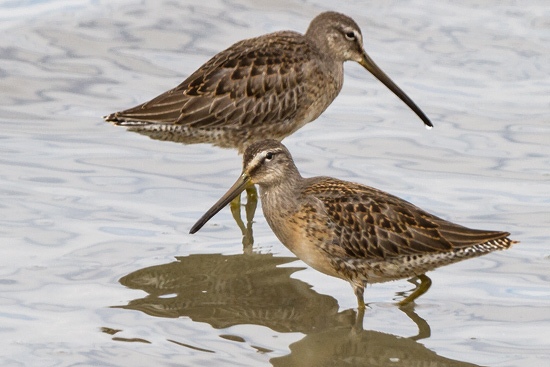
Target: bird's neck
[325, 45]
[281, 196]
[331, 66]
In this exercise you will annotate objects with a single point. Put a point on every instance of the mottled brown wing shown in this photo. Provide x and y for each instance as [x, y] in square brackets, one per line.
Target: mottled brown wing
[372, 224]
[254, 81]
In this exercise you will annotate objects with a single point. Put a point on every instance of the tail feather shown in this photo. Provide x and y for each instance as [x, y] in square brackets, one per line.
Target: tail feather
[115, 119]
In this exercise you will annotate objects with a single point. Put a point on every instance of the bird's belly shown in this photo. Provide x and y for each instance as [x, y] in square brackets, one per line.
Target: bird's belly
[402, 267]
[307, 249]
[314, 257]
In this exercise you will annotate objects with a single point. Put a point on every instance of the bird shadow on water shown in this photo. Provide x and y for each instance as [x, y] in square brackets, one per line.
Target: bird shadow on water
[253, 289]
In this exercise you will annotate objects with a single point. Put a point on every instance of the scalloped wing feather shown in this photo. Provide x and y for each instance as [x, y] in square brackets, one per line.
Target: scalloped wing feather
[371, 224]
[251, 82]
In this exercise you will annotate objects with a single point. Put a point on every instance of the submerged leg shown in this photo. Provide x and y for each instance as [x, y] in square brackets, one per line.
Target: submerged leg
[235, 206]
[251, 204]
[250, 209]
[425, 284]
[358, 325]
[359, 290]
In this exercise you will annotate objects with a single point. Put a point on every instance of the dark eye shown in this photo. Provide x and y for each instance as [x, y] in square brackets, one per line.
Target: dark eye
[269, 156]
[350, 36]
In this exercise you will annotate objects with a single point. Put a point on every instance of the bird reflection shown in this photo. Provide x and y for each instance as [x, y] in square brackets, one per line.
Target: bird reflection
[228, 290]
[250, 210]
[338, 346]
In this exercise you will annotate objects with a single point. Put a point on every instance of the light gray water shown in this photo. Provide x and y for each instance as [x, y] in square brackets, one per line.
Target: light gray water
[98, 268]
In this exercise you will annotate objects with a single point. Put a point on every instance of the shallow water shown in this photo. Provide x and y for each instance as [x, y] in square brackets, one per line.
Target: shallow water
[98, 267]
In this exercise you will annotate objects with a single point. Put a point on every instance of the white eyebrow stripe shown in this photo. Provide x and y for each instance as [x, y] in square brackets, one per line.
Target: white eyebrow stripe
[257, 160]
[260, 157]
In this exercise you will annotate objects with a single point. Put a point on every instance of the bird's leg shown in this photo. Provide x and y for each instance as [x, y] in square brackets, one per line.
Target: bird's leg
[358, 325]
[251, 204]
[425, 283]
[359, 289]
[250, 209]
[236, 212]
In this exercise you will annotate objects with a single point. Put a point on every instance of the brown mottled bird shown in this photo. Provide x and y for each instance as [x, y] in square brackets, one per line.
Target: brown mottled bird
[263, 87]
[349, 230]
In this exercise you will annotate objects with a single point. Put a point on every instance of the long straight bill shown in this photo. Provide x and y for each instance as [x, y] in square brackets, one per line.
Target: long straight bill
[368, 64]
[231, 194]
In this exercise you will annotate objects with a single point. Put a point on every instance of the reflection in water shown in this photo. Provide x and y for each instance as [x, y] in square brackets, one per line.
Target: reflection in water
[250, 210]
[252, 289]
[231, 290]
[338, 346]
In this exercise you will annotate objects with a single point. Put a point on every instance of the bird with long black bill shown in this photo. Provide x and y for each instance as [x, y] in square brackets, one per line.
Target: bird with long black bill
[348, 230]
[263, 87]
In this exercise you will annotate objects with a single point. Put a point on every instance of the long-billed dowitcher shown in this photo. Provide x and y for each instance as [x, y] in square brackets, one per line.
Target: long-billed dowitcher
[348, 230]
[264, 87]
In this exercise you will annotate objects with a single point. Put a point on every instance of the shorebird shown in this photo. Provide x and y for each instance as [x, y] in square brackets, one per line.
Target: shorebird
[348, 230]
[263, 87]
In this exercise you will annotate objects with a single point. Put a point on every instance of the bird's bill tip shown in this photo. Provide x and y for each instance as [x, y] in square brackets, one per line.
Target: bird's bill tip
[232, 193]
[368, 64]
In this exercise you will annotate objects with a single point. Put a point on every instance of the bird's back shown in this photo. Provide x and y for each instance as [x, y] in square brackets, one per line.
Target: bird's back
[370, 223]
[365, 230]
[267, 86]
